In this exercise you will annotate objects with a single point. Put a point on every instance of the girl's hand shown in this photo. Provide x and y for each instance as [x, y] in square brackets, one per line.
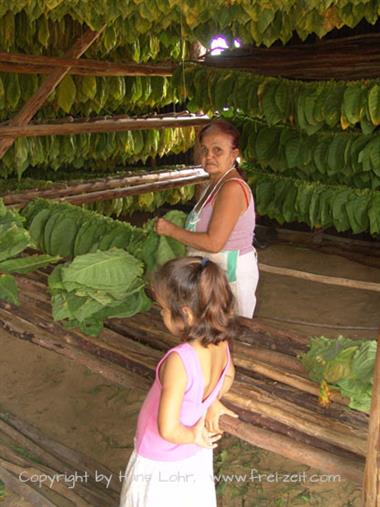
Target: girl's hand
[203, 437]
[213, 414]
[164, 227]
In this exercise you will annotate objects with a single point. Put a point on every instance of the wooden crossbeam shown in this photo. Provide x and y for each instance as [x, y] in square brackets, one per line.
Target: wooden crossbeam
[341, 59]
[329, 280]
[27, 112]
[98, 187]
[36, 64]
[120, 123]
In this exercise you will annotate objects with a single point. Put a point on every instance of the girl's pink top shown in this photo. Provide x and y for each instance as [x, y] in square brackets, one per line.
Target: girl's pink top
[241, 237]
[149, 443]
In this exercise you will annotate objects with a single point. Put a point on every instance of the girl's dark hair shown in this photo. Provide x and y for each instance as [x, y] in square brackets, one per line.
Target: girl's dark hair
[228, 129]
[202, 286]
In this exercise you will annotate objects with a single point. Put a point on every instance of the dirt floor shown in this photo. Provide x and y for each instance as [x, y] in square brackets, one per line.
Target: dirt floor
[82, 410]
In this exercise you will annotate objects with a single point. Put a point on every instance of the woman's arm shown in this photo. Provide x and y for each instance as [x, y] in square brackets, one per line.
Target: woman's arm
[173, 381]
[229, 204]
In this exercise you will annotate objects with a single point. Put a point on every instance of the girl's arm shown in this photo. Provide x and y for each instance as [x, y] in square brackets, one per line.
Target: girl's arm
[229, 204]
[217, 409]
[173, 381]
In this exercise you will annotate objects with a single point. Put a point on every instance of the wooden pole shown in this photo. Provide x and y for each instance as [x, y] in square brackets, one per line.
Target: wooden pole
[54, 454]
[118, 124]
[297, 451]
[302, 419]
[19, 63]
[51, 82]
[371, 483]
[134, 190]
[348, 58]
[65, 189]
[34, 496]
[329, 280]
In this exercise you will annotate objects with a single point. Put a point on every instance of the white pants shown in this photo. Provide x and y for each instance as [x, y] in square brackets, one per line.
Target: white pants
[247, 277]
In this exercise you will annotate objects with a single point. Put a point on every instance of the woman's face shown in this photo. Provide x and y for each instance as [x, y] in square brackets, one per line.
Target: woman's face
[216, 152]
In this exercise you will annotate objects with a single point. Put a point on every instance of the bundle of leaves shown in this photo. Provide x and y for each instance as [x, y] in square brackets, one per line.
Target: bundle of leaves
[160, 249]
[63, 229]
[14, 239]
[97, 286]
[345, 364]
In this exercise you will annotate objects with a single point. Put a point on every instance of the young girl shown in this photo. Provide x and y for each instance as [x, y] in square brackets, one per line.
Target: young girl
[177, 427]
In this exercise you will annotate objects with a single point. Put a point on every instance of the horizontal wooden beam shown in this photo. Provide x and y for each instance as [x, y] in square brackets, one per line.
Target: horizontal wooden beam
[341, 59]
[119, 123]
[329, 280]
[297, 451]
[133, 190]
[36, 64]
[64, 189]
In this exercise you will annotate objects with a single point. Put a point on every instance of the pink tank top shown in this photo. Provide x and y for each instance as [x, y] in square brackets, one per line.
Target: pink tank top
[241, 237]
[149, 443]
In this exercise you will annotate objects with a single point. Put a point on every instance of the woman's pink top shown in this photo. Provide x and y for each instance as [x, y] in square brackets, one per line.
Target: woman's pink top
[148, 441]
[241, 237]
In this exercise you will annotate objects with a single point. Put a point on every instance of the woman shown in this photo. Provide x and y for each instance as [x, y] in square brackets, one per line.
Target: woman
[222, 223]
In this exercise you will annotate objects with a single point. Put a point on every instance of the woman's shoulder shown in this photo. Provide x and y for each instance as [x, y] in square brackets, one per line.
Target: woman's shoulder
[235, 188]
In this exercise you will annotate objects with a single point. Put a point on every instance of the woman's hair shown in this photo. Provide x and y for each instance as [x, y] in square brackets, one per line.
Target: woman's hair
[228, 129]
[201, 285]
[224, 127]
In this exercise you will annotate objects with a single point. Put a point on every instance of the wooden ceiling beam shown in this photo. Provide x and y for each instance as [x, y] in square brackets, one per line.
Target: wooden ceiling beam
[34, 64]
[119, 123]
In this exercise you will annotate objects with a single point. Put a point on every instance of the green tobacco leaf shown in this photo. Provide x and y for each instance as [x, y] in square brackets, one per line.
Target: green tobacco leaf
[8, 289]
[272, 113]
[374, 104]
[102, 270]
[265, 144]
[37, 226]
[62, 237]
[13, 93]
[339, 213]
[352, 103]
[13, 240]
[357, 211]
[66, 93]
[27, 264]
[293, 151]
[88, 86]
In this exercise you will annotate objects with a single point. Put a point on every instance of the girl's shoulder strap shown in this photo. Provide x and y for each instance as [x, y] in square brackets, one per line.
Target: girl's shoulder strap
[184, 350]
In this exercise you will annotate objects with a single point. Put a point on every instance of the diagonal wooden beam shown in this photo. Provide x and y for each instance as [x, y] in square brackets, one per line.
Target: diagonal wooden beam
[29, 109]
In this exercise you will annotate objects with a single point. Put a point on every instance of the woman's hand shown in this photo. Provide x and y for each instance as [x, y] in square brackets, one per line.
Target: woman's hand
[203, 437]
[213, 414]
[164, 227]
